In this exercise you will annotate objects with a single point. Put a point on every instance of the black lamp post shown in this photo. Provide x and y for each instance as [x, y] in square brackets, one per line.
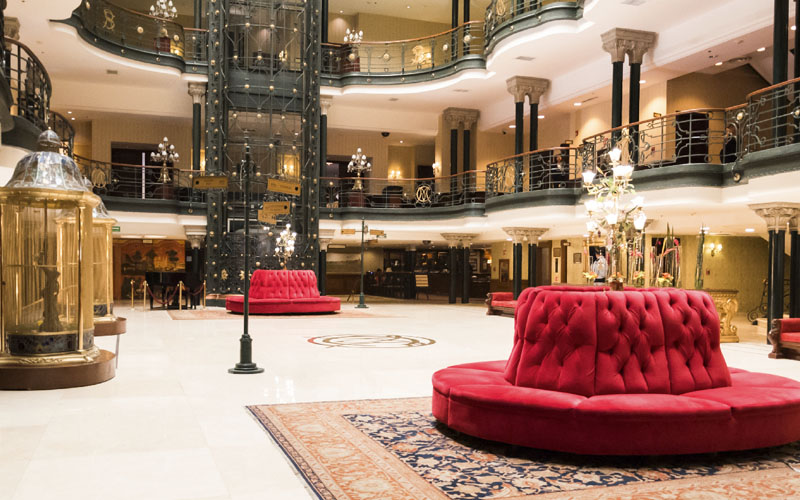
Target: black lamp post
[361, 304]
[245, 364]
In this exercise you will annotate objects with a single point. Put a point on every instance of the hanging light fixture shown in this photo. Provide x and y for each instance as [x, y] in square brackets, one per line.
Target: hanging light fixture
[353, 36]
[359, 164]
[164, 9]
[284, 245]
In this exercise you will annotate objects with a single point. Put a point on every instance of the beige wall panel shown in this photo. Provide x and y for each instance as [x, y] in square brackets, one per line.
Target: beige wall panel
[140, 130]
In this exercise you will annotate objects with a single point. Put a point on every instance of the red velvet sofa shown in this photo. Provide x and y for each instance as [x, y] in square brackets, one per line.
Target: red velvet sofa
[500, 304]
[284, 292]
[638, 372]
[785, 338]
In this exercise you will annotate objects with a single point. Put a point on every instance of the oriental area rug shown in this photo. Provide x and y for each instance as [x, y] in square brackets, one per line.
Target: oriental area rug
[393, 449]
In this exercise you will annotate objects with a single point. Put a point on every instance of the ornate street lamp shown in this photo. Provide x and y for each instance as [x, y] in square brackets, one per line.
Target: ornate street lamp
[359, 164]
[166, 155]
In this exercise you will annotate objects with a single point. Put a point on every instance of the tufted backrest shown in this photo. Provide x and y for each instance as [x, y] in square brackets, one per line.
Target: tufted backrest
[302, 284]
[588, 341]
[269, 284]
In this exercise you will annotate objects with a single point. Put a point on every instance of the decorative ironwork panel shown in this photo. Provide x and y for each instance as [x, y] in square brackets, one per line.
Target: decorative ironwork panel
[263, 93]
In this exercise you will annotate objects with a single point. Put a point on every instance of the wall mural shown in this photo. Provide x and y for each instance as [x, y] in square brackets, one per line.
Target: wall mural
[134, 258]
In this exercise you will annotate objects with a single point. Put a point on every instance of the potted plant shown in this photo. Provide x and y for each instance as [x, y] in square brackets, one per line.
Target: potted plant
[616, 282]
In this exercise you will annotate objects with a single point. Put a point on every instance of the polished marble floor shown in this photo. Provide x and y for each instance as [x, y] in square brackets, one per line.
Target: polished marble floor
[172, 424]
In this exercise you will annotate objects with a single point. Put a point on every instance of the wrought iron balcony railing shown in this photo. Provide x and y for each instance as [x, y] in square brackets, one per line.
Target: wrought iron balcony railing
[118, 180]
[140, 35]
[504, 17]
[550, 168]
[771, 117]
[64, 129]
[29, 84]
[400, 58]
[432, 192]
[707, 135]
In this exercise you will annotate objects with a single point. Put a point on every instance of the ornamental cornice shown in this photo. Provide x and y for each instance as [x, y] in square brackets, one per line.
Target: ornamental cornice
[529, 234]
[459, 239]
[459, 116]
[522, 86]
[777, 215]
[198, 91]
[325, 102]
[621, 41]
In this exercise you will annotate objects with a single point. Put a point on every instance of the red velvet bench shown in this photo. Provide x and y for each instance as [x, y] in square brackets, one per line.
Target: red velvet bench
[500, 304]
[638, 372]
[284, 292]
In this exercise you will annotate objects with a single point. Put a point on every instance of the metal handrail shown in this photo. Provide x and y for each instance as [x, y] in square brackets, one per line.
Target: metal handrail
[66, 132]
[547, 168]
[29, 83]
[498, 12]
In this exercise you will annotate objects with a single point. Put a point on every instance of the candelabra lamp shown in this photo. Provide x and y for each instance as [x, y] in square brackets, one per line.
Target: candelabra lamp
[610, 217]
[47, 327]
[284, 245]
[164, 9]
[359, 165]
[167, 156]
[353, 36]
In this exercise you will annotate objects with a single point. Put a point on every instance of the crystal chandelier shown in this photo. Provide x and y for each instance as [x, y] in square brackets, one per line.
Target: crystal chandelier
[284, 245]
[164, 9]
[608, 215]
[359, 164]
[165, 155]
[353, 36]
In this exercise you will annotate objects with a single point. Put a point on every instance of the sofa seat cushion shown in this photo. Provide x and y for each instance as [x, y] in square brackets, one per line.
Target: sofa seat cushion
[790, 336]
[444, 381]
[511, 304]
[753, 399]
[629, 408]
[740, 378]
[284, 306]
[497, 296]
[509, 398]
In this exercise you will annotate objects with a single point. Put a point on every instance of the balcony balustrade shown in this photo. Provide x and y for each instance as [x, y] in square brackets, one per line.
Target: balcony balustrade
[550, 168]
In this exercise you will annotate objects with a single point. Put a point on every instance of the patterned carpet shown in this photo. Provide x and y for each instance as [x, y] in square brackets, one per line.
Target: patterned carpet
[393, 449]
[218, 313]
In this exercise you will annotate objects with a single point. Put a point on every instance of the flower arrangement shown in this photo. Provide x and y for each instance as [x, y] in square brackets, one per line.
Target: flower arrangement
[638, 278]
[590, 276]
[615, 281]
[665, 280]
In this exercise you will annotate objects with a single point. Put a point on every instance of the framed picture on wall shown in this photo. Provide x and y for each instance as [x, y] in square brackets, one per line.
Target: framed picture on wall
[577, 258]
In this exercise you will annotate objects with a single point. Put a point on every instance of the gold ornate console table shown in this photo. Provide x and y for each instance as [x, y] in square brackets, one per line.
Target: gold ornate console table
[727, 306]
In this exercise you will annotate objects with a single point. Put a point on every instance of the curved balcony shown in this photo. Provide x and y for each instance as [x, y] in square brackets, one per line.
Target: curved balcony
[404, 61]
[433, 197]
[61, 126]
[140, 36]
[143, 188]
[506, 17]
[29, 84]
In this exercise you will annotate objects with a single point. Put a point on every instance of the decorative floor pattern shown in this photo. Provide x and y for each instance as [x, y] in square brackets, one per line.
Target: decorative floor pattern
[394, 449]
[218, 313]
[366, 341]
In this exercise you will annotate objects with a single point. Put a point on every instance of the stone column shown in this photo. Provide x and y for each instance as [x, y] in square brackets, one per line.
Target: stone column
[452, 248]
[780, 42]
[532, 237]
[324, 104]
[777, 216]
[794, 268]
[466, 275]
[519, 103]
[469, 120]
[322, 268]
[198, 91]
[198, 13]
[466, 11]
[638, 44]
[517, 235]
[454, 240]
[533, 88]
[614, 44]
[196, 235]
[454, 15]
[455, 118]
[324, 22]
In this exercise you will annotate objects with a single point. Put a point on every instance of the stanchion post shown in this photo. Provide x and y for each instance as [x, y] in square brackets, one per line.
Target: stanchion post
[133, 292]
[180, 295]
[144, 296]
[204, 294]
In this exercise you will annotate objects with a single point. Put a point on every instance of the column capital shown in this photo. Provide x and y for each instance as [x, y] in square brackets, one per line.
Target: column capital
[522, 86]
[198, 91]
[323, 244]
[459, 239]
[529, 234]
[776, 214]
[621, 41]
[196, 235]
[11, 28]
[325, 102]
[458, 116]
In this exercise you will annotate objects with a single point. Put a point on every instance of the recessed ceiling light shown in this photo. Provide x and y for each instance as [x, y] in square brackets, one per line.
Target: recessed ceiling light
[73, 118]
[401, 141]
[577, 104]
[408, 6]
[541, 117]
[719, 63]
[341, 12]
[761, 49]
[509, 239]
[642, 81]
[512, 126]
[69, 112]
[794, 27]
[749, 230]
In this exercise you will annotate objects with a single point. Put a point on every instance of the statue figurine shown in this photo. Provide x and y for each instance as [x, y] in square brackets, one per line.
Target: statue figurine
[50, 321]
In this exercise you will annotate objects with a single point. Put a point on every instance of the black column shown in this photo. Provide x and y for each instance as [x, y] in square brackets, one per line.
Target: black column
[466, 278]
[453, 159]
[616, 95]
[517, 269]
[794, 275]
[776, 275]
[323, 269]
[797, 41]
[323, 146]
[454, 18]
[771, 240]
[467, 185]
[453, 280]
[532, 248]
[518, 131]
[466, 11]
[324, 22]
[198, 13]
[533, 139]
[196, 264]
[780, 42]
[197, 130]
[633, 109]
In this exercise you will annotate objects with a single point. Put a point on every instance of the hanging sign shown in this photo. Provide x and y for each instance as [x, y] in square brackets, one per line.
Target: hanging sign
[285, 187]
[376, 232]
[210, 182]
[348, 231]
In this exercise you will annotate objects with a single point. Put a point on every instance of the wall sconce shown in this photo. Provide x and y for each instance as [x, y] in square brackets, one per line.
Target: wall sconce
[437, 169]
[288, 170]
[714, 248]
[395, 174]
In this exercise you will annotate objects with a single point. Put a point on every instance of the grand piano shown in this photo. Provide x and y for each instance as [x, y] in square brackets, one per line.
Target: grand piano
[164, 286]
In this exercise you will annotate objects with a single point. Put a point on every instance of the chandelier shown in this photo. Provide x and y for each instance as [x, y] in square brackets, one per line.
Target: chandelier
[353, 36]
[165, 155]
[284, 245]
[359, 164]
[164, 9]
[609, 215]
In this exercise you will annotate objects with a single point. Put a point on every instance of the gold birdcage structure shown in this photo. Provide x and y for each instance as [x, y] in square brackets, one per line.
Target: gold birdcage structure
[47, 265]
[102, 255]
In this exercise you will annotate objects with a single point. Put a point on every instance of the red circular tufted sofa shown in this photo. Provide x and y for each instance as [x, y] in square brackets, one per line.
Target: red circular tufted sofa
[284, 292]
[637, 372]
